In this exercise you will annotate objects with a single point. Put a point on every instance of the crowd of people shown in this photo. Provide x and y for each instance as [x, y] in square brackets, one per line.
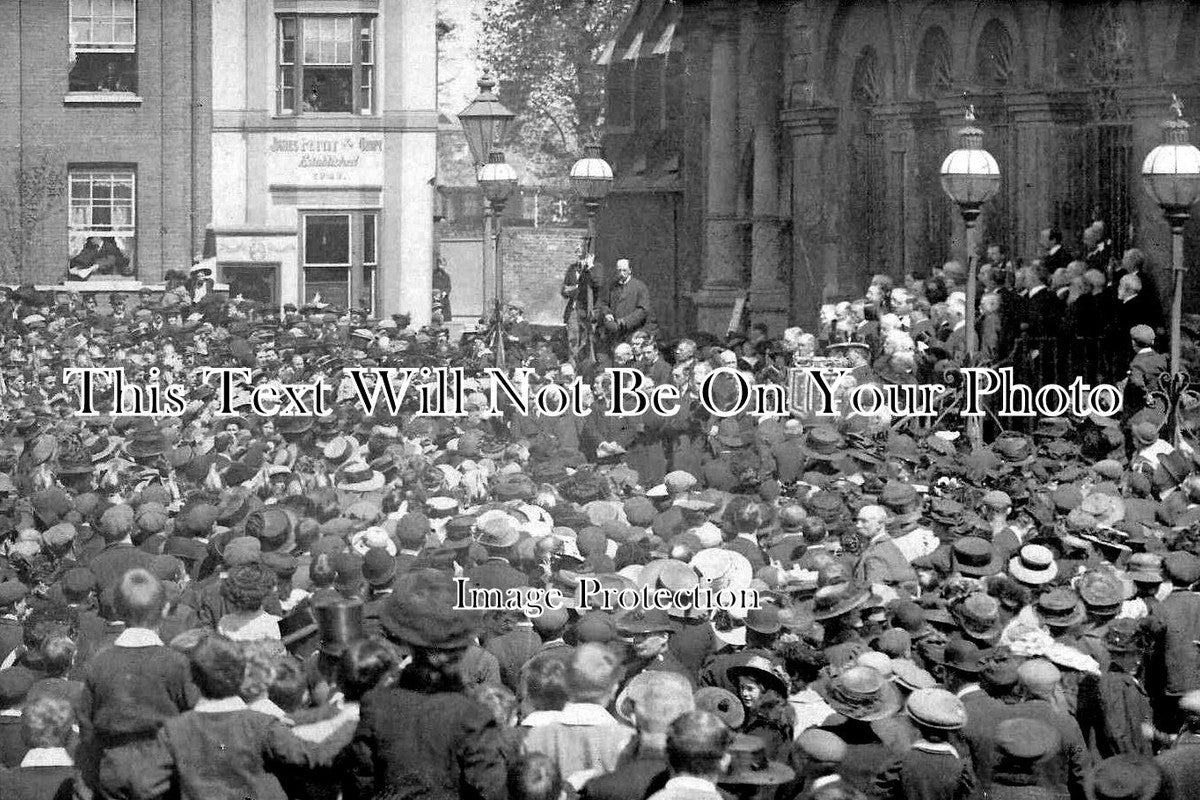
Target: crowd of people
[209, 606]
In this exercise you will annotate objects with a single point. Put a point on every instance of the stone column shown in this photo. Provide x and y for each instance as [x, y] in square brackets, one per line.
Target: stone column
[814, 211]
[769, 235]
[1035, 118]
[724, 243]
[902, 209]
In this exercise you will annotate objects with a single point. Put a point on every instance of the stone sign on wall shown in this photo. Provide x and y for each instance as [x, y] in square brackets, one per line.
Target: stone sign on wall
[325, 159]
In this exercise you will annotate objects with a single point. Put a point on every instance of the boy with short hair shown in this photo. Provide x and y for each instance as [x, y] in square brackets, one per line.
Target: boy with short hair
[130, 690]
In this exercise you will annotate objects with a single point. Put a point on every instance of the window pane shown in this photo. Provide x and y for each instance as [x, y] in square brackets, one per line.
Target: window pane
[102, 237]
[327, 239]
[369, 256]
[365, 105]
[366, 43]
[329, 89]
[103, 72]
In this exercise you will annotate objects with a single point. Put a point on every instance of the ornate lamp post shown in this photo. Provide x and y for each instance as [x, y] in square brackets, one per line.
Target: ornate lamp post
[1171, 175]
[591, 178]
[971, 177]
[484, 122]
[497, 179]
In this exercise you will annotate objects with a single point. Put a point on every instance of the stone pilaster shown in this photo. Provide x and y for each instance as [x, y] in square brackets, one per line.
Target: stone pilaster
[724, 235]
[770, 243]
[814, 211]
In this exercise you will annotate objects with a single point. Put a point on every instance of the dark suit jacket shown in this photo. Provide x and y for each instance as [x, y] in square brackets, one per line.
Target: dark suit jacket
[1174, 663]
[12, 635]
[512, 650]
[37, 783]
[1040, 313]
[629, 303]
[456, 751]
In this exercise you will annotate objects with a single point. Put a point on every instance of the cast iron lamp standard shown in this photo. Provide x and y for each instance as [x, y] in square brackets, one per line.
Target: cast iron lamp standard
[591, 178]
[498, 179]
[1171, 175]
[484, 123]
[971, 177]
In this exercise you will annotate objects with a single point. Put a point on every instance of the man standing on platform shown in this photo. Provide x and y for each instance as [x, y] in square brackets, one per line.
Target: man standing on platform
[625, 306]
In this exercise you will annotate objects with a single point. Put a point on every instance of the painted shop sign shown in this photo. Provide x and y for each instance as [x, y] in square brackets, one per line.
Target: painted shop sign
[325, 159]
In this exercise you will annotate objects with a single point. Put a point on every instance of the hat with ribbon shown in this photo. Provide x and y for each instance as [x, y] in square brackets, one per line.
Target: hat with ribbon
[838, 599]
[936, 708]
[979, 616]
[1034, 565]
[860, 693]
[1061, 608]
[975, 557]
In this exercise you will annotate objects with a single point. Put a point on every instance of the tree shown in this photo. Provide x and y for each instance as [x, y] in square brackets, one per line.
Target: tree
[28, 198]
[544, 54]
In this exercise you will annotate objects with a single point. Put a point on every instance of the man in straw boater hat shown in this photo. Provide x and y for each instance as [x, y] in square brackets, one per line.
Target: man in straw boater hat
[456, 747]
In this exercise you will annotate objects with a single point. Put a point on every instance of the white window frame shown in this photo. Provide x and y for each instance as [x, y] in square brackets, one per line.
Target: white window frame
[94, 175]
[89, 12]
[108, 46]
[363, 71]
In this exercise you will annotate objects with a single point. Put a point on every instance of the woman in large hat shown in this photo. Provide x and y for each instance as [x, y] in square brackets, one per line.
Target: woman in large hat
[456, 748]
[763, 687]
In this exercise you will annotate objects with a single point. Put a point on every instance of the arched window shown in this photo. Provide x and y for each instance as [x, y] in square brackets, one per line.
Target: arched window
[934, 73]
[994, 56]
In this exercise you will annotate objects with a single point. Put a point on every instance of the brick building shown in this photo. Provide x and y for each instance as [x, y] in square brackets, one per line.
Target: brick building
[791, 148]
[324, 151]
[105, 128]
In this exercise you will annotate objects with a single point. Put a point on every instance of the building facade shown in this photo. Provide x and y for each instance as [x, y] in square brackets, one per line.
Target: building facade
[790, 149]
[324, 151]
[105, 128]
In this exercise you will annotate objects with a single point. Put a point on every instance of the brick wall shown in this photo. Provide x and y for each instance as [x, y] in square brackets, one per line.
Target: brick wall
[164, 136]
[535, 260]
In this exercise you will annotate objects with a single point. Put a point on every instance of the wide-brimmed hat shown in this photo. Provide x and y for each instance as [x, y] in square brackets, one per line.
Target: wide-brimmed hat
[639, 622]
[1061, 608]
[357, 476]
[1033, 565]
[976, 557]
[860, 693]
[1102, 592]
[373, 537]
[768, 673]
[838, 599]
[749, 765]
[421, 613]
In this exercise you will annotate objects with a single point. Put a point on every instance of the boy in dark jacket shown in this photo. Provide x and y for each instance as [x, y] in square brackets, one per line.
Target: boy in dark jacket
[130, 689]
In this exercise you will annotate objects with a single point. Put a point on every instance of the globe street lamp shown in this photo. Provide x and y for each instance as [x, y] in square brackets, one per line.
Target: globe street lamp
[971, 177]
[484, 123]
[497, 179]
[591, 178]
[1171, 175]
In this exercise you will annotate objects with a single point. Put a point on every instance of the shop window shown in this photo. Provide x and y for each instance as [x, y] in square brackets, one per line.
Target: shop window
[102, 227]
[103, 46]
[326, 64]
[253, 282]
[340, 257]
